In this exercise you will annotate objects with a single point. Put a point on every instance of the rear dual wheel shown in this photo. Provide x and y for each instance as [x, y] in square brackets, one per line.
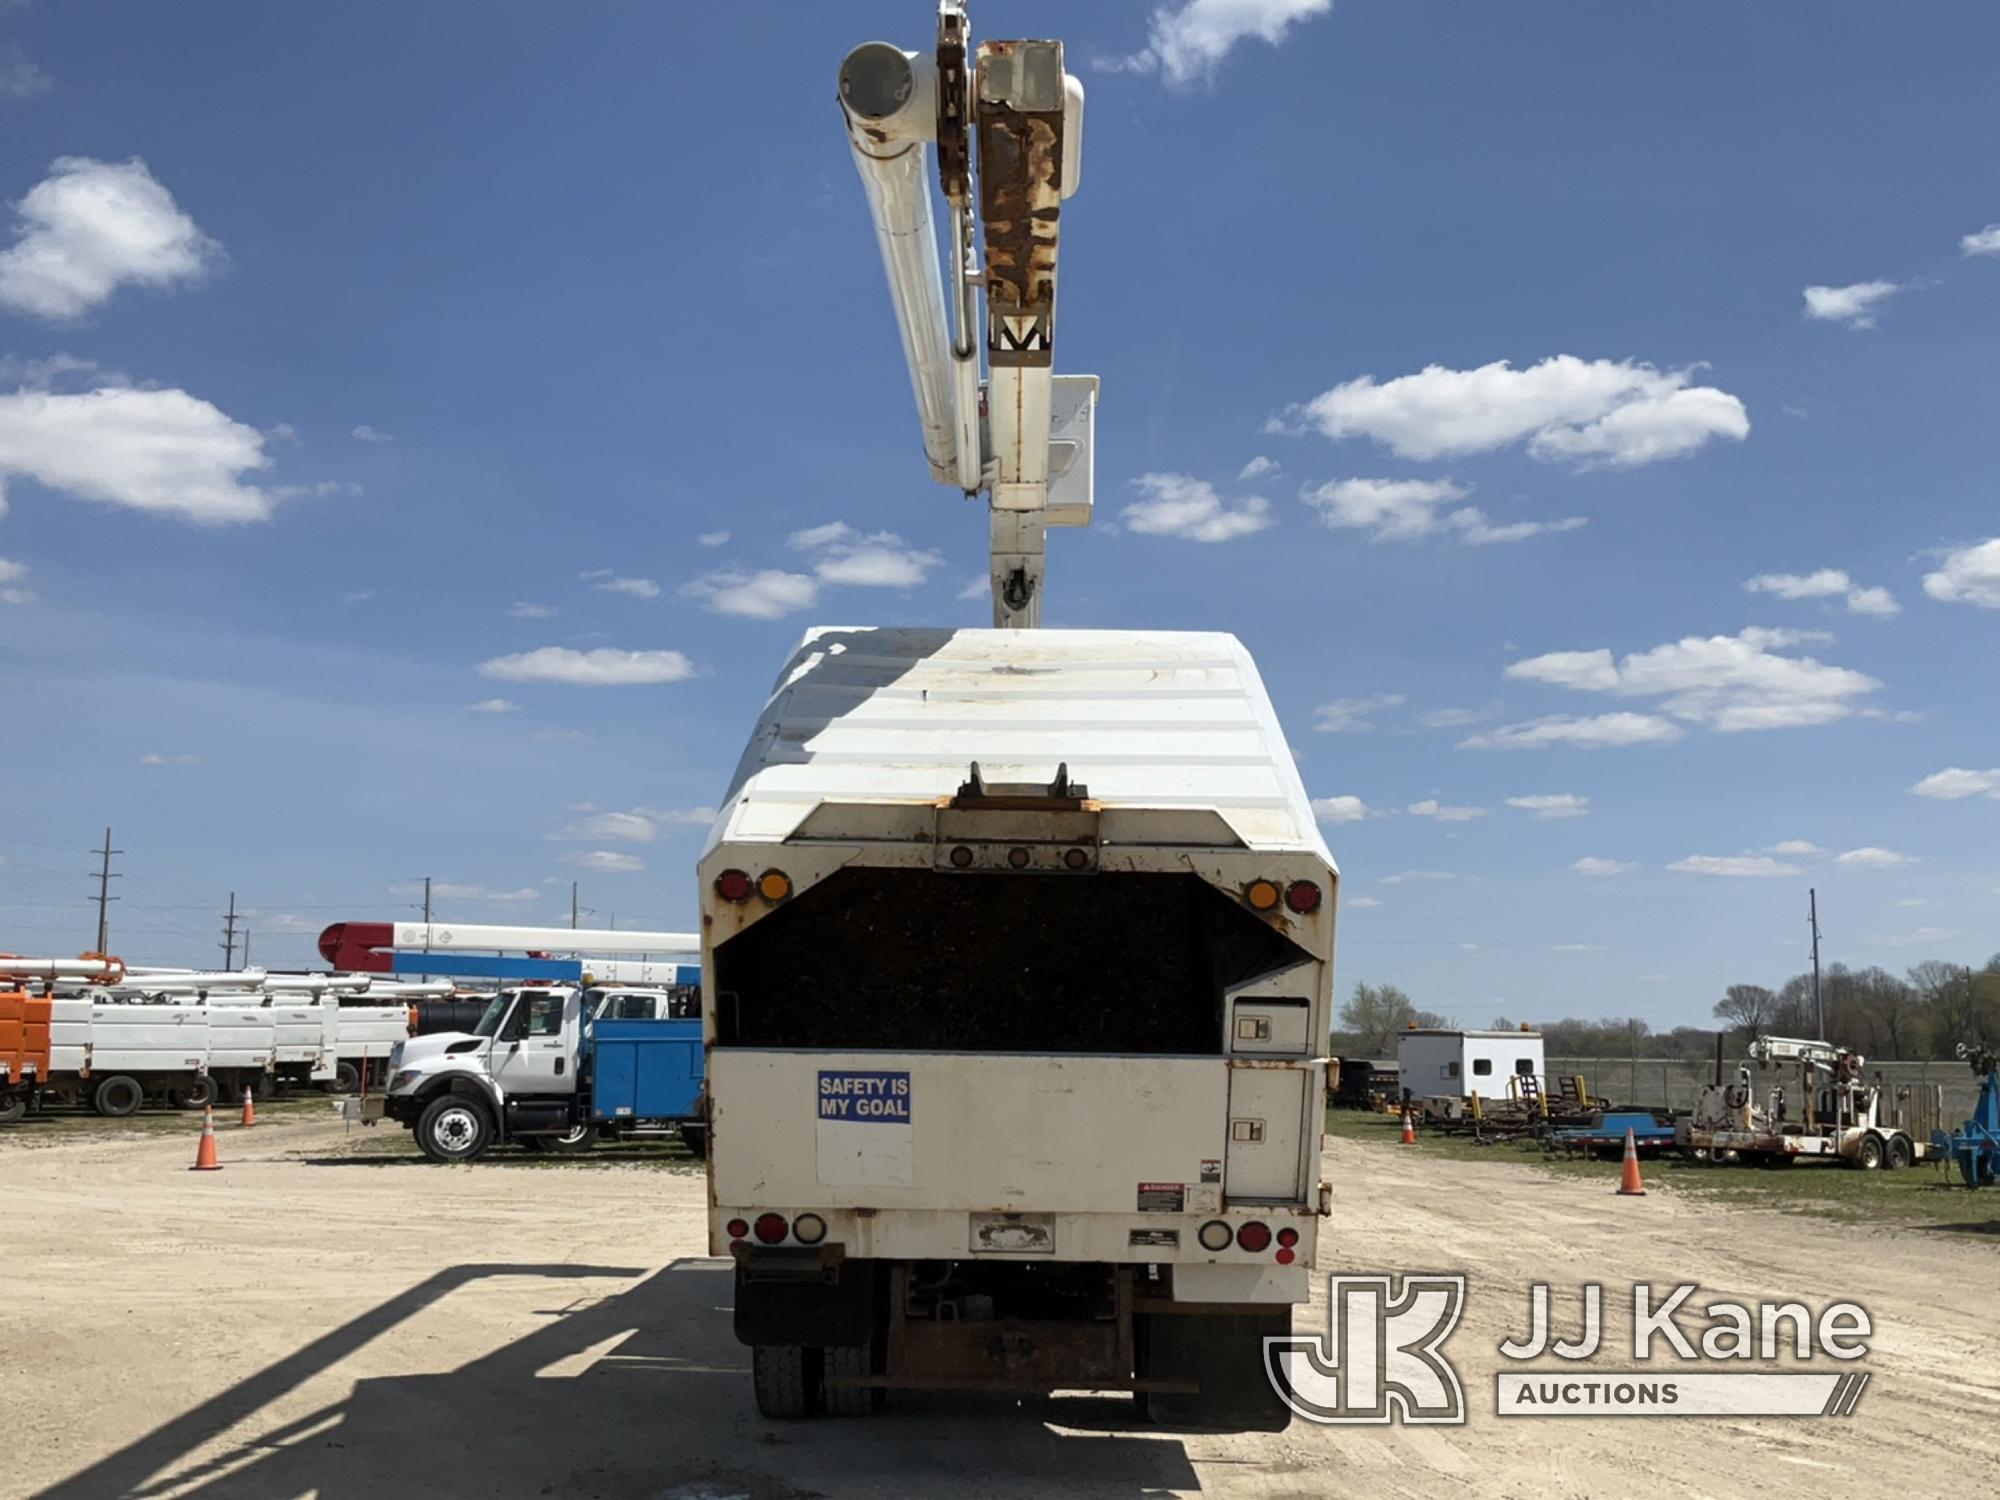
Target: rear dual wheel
[118, 1096]
[12, 1108]
[792, 1381]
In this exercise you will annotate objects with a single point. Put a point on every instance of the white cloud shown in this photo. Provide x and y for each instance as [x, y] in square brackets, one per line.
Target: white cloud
[1185, 43]
[1955, 782]
[1350, 715]
[976, 588]
[1796, 848]
[1590, 864]
[1823, 584]
[1969, 575]
[523, 610]
[605, 861]
[1392, 510]
[447, 890]
[1458, 718]
[366, 434]
[1981, 241]
[693, 817]
[1871, 858]
[1593, 732]
[1853, 305]
[1592, 412]
[1730, 683]
[1909, 901]
[357, 596]
[1475, 530]
[1549, 806]
[1258, 467]
[90, 227]
[711, 538]
[633, 827]
[1180, 505]
[1895, 715]
[637, 588]
[1405, 877]
[1916, 938]
[1361, 901]
[20, 78]
[879, 560]
[1734, 866]
[1348, 809]
[766, 595]
[604, 667]
[495, 706]
[11, 574]
[162, 451]
[1430, 807]
[1576, 947]
[155, 758]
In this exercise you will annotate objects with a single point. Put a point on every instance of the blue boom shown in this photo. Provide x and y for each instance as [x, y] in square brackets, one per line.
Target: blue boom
[1976, 1147]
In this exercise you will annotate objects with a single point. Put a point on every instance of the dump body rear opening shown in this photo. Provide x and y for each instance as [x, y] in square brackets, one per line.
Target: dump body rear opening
[920, 961]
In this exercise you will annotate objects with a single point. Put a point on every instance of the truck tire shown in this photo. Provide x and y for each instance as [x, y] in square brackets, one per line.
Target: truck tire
[576, 1139]
[12, 1107]
[454, 1127]
[197, 1095]
[695, 1138]
[1224, 1353]
[1901, 1153]
[346, 1079]
[117, 1096]
[850, 1400]
[1870, 1153]
[778, 1372]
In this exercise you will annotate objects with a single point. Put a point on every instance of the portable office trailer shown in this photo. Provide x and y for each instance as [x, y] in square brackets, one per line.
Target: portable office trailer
[1436, 1061]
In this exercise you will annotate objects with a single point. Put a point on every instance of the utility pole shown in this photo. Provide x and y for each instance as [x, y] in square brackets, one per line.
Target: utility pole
[572, 906]
[228, 943]
[105, 875]
[1812, 917]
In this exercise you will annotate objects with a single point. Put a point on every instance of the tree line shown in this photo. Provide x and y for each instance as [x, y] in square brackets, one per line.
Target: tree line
[1921, 1014]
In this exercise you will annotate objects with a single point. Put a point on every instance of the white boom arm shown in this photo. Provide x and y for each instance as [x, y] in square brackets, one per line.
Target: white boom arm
[1026, 114]
[444, 937]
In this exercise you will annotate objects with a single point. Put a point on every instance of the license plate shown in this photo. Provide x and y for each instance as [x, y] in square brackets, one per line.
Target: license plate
[1014, 1234]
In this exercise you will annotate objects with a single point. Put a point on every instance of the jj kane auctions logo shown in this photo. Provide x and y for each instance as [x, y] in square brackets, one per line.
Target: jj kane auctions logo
[1382, 1357]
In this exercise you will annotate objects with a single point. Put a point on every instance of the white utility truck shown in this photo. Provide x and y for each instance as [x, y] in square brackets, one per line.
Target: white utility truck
[1017, 944]
[1835, 1115]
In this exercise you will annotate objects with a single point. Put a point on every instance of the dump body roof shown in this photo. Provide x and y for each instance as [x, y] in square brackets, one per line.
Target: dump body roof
[1143, 718]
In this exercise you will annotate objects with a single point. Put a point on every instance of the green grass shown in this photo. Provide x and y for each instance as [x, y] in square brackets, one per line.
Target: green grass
[63, 1126]
[1921, 1195]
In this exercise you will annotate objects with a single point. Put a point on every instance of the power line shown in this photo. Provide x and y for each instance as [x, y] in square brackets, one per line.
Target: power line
[105, 875]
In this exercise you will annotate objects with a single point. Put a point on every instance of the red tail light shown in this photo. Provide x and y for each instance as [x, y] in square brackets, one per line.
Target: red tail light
[1285, 1257]
[1302, 896]
[772, 1228]
[737, 1229]
[1254, 1236]
[733, 885]
[1288, 1237]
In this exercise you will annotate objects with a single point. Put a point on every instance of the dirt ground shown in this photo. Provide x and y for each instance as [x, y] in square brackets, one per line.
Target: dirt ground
[329, 1316]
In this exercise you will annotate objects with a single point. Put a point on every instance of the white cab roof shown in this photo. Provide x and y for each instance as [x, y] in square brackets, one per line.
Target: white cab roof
[1143, 718]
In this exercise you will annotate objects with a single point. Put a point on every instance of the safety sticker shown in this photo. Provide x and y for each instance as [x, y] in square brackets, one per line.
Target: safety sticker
[1154, 1239]
[1162, 1197]
[1211, 1169]
[864, 1098]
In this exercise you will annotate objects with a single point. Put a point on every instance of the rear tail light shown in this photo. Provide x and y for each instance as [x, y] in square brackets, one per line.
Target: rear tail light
[1263, 895]
[733, 885]
[808, 1229]
[1285, 1257]
[1254, 1236]
[771, 1228]
[1288, 1237]
[737, 1229]
[1214, 1235]
[1302, 896]
[1075, 859]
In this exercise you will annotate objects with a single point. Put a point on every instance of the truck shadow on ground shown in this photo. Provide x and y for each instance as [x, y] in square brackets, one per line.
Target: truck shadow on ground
[642, 1393]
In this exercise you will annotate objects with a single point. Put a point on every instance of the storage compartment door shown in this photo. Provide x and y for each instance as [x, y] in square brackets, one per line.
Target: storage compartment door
[1267, 1133]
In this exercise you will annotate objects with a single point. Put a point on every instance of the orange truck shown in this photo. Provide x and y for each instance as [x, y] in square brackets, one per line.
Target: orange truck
[24, 1048]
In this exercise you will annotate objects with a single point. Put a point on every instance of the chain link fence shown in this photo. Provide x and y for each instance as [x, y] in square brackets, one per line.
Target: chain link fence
[1677, 1082]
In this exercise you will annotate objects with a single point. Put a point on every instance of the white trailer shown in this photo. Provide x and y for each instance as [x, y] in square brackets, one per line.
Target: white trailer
[1016, 1083]
[1442, 1062]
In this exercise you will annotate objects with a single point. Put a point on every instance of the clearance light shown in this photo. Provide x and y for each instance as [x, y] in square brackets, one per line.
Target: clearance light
[960, 857]
[1214, 1235]
[771, 1228]
[1018, 858]
[809, 1229]
[1254, 1236]
[1285, 1257]
[774, 885]
[1302, 896]
[1075, 859]
[1288, 1237]
[1262, 894]
[733, 885]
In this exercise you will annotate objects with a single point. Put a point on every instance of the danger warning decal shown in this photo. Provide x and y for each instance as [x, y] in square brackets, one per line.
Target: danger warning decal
[867, 1098]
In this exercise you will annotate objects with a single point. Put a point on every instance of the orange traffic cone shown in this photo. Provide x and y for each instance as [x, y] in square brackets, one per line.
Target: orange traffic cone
[249, 1109]
[1409, 1130]
[1628, 1180]
[204, 1156]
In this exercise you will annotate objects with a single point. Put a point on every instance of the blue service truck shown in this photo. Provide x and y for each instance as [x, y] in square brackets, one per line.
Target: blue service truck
[553, 1067]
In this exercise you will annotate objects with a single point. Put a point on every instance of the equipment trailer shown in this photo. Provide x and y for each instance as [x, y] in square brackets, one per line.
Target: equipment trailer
[1838, 1117]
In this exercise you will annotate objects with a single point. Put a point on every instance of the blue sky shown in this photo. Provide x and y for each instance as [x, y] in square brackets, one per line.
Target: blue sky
[412, 318]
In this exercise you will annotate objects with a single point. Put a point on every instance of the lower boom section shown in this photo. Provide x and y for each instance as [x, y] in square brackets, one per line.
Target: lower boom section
[830, 1334]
